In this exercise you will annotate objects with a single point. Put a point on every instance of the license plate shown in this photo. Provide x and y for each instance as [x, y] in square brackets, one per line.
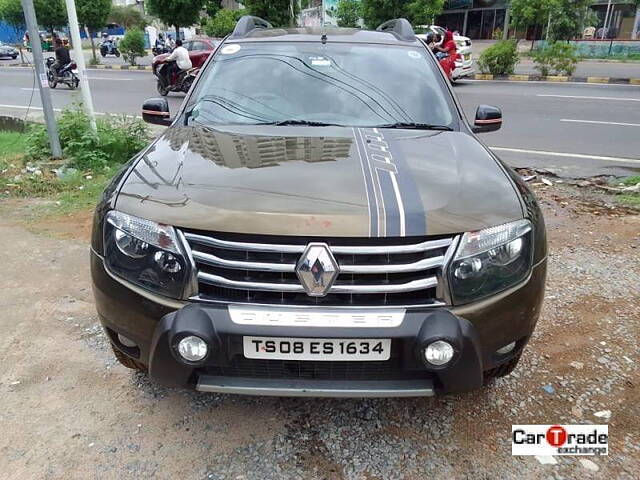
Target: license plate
[324, 349]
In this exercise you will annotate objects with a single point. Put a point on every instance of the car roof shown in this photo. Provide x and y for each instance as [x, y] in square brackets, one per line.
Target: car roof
[334, 35]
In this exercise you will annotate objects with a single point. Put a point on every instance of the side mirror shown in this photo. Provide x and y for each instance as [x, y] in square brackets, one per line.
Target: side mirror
[488, 119]
[156, 111]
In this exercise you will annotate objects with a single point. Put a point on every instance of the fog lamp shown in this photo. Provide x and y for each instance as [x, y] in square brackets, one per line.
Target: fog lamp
[506, 349]
[438, 353]
[192, 348]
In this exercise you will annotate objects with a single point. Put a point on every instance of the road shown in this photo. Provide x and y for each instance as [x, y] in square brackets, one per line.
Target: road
[576, 130]
[588, 68]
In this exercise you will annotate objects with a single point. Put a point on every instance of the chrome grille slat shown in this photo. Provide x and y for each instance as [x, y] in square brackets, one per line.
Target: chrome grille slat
[259, 269]
[290, 267]
[412, 286]
[242, 264]
[336, 249]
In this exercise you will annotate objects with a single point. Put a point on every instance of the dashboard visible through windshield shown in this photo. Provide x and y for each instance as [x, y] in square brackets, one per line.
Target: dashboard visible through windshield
[303, 83]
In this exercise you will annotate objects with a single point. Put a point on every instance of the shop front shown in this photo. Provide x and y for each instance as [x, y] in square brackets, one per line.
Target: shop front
[476, 19]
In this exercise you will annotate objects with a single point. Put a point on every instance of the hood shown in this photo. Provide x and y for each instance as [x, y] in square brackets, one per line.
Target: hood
[319, 181]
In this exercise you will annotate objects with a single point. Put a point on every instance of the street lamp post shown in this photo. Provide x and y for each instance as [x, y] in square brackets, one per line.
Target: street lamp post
[82, 68]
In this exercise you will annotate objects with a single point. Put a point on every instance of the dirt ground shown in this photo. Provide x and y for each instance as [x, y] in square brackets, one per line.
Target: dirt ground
[69, 411]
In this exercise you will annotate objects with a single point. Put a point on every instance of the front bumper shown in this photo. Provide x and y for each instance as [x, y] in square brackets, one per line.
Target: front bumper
[476, 330]
[224, 338]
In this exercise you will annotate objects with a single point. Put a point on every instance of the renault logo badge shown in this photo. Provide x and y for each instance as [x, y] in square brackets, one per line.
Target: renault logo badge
[317, 269]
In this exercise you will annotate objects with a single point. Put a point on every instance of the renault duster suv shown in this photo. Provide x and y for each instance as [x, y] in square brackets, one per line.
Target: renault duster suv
[319, 219]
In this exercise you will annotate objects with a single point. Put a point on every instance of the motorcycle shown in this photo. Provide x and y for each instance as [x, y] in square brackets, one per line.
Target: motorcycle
[67, 74]
[160, 49]
[109, 47]
[179, 82]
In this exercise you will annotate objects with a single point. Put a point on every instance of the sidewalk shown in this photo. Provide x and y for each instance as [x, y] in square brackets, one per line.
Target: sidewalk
[586, 68]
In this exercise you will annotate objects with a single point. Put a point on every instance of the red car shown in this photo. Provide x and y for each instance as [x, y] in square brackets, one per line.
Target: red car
[199, 50]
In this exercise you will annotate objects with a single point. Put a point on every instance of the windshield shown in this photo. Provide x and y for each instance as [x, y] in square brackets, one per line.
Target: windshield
[312, 83]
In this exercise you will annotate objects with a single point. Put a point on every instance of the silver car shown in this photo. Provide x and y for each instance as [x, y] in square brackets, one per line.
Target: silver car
[8, 51]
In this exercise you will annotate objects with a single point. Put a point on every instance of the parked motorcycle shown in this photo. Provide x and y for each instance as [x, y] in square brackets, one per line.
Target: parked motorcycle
[179, 82]
[109, 47]
[67, 74]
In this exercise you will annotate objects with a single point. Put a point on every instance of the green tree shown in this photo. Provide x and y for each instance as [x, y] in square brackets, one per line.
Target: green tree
[132, 45]
[418, 12]
[375, 12]
[179, 13]
[280, 13]
[568, 19]
[93, 15]
[51, 14]
[349, 13]
[223, 23]
[127, 16]
[531, 13]
[423, 12]
[212, 7]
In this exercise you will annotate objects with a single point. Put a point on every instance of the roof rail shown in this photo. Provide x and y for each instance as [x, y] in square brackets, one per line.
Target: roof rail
[400, 27]
[248, 24]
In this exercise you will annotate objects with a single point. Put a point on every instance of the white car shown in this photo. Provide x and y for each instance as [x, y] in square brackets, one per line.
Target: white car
[464, 65]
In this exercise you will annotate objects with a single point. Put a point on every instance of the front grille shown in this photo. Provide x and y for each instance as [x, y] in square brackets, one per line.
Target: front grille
[391, 369]
[260, 269]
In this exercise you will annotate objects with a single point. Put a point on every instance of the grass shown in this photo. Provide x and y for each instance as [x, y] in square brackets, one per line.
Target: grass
[631, 181]
[77, 191]
[12, 144]
[631, 199]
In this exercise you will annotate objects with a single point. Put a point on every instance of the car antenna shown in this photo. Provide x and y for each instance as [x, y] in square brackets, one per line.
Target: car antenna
[323, 38]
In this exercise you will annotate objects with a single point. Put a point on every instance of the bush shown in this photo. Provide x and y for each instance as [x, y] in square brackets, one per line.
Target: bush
[499, 59]
[116, 141]
[349, 13]
[560, 57]
[223, 23]
[132, 45]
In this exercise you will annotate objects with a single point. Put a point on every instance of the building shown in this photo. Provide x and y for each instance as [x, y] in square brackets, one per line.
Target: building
[489, 19]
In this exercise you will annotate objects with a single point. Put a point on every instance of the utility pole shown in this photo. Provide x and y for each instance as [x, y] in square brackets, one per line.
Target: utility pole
[87, 102]
[605, 29]
[43, 83]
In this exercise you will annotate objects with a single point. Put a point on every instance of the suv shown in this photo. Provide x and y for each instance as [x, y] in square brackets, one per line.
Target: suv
[319, 219]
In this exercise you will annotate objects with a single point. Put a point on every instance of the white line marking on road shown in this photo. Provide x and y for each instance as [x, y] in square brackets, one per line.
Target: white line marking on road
[111, 78]
[597, 122]
[589, 98]
[24, 107]
[566, 154]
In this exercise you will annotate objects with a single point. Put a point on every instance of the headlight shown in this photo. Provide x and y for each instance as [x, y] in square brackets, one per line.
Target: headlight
[145, 253]
[490, 261]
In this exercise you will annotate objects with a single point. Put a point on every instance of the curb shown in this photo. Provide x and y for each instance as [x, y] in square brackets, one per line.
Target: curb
[94, 67]
[555, 78]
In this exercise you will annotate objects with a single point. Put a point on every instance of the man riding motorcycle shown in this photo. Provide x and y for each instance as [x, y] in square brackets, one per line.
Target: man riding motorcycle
[177, 63]
[62, 57]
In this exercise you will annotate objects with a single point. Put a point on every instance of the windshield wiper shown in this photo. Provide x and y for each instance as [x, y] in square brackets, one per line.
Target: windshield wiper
[306, 123]
[416, 126]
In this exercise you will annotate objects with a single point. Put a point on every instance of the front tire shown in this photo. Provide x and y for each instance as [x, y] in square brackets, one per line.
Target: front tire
[502, 370]
[162, 90]
[117, 53]
[51, 80]
[127, 361]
